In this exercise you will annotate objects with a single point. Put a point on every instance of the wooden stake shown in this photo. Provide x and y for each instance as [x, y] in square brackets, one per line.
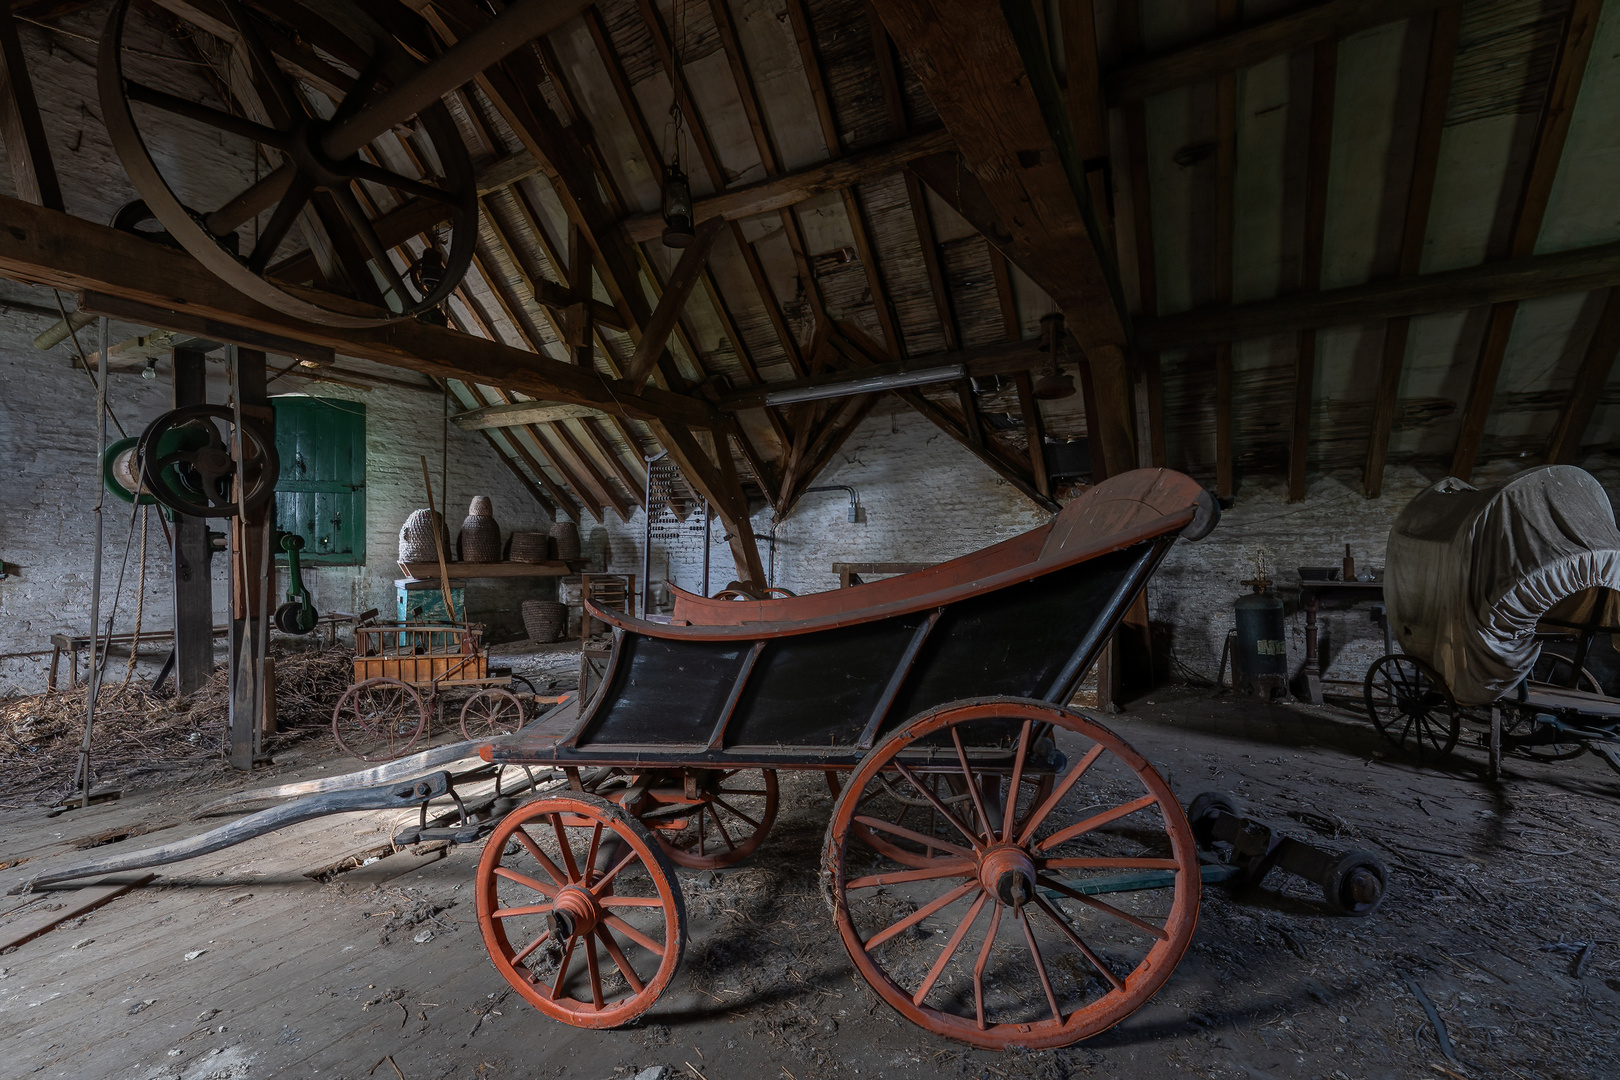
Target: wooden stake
[438, 544]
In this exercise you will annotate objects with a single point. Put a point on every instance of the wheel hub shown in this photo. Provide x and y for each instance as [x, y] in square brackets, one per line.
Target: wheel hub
[311, 159]
[1008, 873]
[573, 913]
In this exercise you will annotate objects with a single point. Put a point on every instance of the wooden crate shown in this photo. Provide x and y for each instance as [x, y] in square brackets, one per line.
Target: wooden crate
[421, 669]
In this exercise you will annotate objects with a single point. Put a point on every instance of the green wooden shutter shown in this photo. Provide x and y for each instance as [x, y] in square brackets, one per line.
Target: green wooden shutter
[321, 493]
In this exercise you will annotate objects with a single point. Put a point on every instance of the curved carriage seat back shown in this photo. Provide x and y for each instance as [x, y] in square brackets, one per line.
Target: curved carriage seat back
[1130, 503]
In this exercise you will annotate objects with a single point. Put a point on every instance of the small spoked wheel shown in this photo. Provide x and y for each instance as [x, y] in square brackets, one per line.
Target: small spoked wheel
[704, 819]
[1411, 707]
[580, 911]
[379, 719]
[993, 930]
[491, 712]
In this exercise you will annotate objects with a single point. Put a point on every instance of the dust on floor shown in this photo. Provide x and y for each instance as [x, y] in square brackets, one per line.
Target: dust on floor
[1502, 912]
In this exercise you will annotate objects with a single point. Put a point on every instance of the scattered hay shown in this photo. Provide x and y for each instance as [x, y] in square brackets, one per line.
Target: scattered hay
[137, 731]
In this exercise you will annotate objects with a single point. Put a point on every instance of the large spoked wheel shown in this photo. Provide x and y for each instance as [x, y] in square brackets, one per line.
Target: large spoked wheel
[188, 461]
[379, 719]
[997, 937]
[1411, 707]
[580, 910]
[704, 819]
[491, 712]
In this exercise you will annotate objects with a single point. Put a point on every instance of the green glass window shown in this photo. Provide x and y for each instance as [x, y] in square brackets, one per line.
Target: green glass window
[321, 494]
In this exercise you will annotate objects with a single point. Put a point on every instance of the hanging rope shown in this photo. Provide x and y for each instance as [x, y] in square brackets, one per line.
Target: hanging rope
[140, 601]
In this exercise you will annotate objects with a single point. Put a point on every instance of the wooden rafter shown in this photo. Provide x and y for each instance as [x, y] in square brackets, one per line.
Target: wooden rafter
[558, 493]
[1593, 375]
[1221, 274]
[1325, 74]
[1134, 116]
[500, 447]
[22, 132]
[1444, 30]
[1551, 131]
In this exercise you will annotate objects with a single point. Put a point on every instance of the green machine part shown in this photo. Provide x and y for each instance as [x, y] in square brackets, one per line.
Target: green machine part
[121, 469]
[298, 614]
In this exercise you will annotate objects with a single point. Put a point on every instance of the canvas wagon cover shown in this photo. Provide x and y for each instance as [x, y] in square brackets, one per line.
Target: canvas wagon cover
[1469, 572]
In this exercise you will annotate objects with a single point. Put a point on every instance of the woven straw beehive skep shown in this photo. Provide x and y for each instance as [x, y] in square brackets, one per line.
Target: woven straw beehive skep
[416, 537]
[565, 535]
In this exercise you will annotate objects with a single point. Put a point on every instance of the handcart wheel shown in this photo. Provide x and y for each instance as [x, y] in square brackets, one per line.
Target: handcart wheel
[580, 910]
[1550, 667]
[491, 712]
[998, 938]
[717, 821]
[379, 719]
[1411, 707]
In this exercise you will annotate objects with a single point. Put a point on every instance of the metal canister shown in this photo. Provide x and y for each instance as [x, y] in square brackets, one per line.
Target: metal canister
[1262, 648]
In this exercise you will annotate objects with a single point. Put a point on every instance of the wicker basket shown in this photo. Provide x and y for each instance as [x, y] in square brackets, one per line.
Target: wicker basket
[531, 547]
[565, 536]
[416, 538]
[480, 540]
[546, 620]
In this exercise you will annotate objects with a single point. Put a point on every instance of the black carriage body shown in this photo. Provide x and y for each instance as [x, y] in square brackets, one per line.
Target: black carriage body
[821, 699]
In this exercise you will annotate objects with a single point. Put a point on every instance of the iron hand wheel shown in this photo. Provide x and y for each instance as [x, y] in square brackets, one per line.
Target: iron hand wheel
[997, 938]
[704, 819]
[188, 462]
[580, 910]
[491, 712]
[1411, 707]
[354, 197]
[379, 719]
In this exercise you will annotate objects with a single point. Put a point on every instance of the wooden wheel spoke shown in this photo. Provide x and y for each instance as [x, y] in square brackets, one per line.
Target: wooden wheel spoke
[718, 801]
[1097, 821]
[1062, 788]
[984, 959]
[523, 954]
[595, 973]
[724, 835]
[206, 114]
[607, 879]
[562, 969]
[907, 834]
[944, 869]
[522, 836]
[944, 811]
[920, 914]
[1074, 939]
[950, 949]
[631, 901]
[634, 935]
[590, 856]
[370, 241]
[619, 960]
[514, 912]
[1009, 809]
[1106, 908]
[972, 785]
[1100, 863]
[1040, 965]
[523, 879]
[365, 170]
[281, 222]
[567, 848]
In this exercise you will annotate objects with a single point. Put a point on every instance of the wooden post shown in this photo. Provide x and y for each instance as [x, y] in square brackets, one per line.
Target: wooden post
[193, 585]
[251, 711]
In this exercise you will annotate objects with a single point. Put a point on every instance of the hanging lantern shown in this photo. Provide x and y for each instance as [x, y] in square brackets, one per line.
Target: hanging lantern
[677, 207]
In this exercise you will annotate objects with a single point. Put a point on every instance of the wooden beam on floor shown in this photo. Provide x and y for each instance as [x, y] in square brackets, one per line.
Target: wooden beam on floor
[1551, 131]
[1590, 379]
[1243, 46]
[1445, 27]
[1324, 80]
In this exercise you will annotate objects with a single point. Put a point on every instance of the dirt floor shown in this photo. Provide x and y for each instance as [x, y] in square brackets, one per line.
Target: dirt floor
[1503, 913]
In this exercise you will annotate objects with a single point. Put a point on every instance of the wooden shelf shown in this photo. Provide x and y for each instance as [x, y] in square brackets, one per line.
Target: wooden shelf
[429, 571]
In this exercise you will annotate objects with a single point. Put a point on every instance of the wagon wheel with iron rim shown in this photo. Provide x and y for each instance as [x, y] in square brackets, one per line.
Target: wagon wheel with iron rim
[580, 910]
[491, 712]
[356, 186]
[997, 939]
[704, 819]
[1411, 707]
[379, 719]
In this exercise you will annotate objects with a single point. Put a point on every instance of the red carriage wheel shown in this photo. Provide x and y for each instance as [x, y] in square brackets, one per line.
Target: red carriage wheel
[904, 805]
[379, 719]
[580, 911]
[704, 819]
[998, 937]
[491, 712]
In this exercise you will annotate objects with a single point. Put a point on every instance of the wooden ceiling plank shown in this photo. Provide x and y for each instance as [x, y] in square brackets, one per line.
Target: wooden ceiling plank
[588, 469]
[1551, 131]
[1318, 152]
[1444, 31]
[22, 131]
[1237, 47]
[1597, 363]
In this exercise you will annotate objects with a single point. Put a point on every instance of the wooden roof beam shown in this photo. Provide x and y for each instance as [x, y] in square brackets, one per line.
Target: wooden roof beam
[22, 132]
[1593, 375]
[1325, 73]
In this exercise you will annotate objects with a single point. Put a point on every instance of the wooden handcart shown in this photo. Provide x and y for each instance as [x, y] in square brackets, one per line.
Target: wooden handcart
[401, 671]
[977, 823]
